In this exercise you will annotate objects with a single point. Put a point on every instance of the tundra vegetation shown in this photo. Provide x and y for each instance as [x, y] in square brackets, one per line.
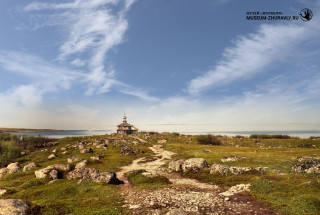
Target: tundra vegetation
[286, 191]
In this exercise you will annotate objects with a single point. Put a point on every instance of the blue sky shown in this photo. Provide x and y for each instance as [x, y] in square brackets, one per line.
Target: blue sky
[176, 65]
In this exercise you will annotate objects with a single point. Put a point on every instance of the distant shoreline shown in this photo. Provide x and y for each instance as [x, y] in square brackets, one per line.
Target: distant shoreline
[26, 130]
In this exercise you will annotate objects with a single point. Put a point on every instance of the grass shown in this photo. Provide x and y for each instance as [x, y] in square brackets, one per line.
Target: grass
[143, 182]
[66, 197]
[287, 192]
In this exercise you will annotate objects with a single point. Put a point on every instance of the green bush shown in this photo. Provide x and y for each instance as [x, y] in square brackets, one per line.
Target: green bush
[208, 139]
[271, 136]
[8, 153]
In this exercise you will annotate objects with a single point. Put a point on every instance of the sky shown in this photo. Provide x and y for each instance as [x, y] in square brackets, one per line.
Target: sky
[170, 65]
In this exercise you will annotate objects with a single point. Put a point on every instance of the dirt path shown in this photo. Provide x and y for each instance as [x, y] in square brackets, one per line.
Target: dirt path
[184, 196]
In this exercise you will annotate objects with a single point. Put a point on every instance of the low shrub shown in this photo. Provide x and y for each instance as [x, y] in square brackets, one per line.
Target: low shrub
[8, 153]
[208, 139]
[271, 136]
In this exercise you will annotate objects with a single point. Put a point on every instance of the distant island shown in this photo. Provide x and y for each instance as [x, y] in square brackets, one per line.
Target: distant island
[25, 130]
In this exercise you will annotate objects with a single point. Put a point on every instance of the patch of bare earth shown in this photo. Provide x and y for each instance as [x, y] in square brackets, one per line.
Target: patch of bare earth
[184, 196]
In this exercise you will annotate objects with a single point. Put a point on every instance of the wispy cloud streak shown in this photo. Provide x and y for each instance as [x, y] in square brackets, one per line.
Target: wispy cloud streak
[250, 55]
[93, 29]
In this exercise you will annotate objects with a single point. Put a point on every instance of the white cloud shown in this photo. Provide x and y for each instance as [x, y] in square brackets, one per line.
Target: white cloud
[252, 54]
[44, 75]
[139, 93]
[26, 95]
[93, 27]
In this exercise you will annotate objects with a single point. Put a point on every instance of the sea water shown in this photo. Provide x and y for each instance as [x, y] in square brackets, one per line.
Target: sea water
[74, 133]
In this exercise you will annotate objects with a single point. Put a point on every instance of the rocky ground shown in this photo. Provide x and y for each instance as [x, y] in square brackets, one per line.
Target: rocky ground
[184, 196]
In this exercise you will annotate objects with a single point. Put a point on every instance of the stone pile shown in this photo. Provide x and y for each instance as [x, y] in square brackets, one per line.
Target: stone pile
[311, 166]
[43, 173]
[197, 164]
[233, 158]
[192, 164]
[225, 169]
[11, 168]
[93, 175]
[127, 150]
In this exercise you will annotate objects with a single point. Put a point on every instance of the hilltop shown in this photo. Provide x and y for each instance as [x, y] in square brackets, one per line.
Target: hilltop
[165, 173]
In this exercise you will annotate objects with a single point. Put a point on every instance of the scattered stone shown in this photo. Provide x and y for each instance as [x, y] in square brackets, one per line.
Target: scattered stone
[13, 167]
[85, 150]
[2, 191]
[53, 174]
[219, 168]
[233, 158]
[4, 170]
[96, 158]
[236, 189]
[102, 146]
[176, 165]
[13, 207]
[162, 141]
[53, 181]
[51, 156]
[29, 166]
[194, 164]
[63, 149]
[94, 175]
[225, 169]
[43, 173]
[55, 150]
[176, 211]
[307, 167]
[227, 199]
[82, 164]
[23, 153]
[64, 152]
[73, 159]
[127, 150]
[134, 206]
[307, 158]
[207, 150]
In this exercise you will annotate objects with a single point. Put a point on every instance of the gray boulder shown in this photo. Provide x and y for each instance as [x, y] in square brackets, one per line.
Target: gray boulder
[54, 174]
[176, 165]
[127, 150]
[51, 156]
[43, 173]
[93, 175]
[73, 159]
[2, 191]
[85, 150]
[96, 158]
[219, 168]
[13, 167]
[194, 164]
[29, 166]
[4, 170]
[82, 164]
[13, 207]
